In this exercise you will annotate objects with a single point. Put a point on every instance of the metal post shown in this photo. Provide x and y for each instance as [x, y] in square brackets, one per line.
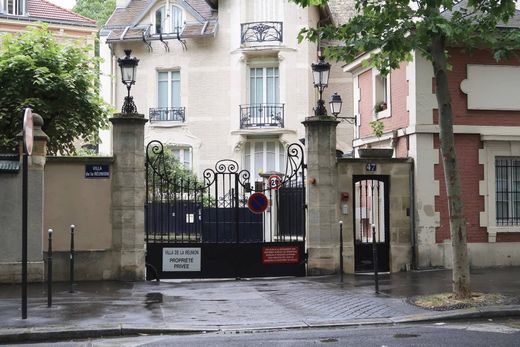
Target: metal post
[341, 251]
[49, 270]
[71, 275]
[374, 257]
[25, 175]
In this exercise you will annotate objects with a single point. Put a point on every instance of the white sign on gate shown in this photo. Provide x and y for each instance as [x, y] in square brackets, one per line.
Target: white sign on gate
[181, 259]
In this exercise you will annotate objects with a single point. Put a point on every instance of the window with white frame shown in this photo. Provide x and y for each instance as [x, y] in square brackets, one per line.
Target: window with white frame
[169, 96]
[381, 94]
[183, 154]
[14, 7]
[168, 20]
[264, 85]
[264, 94]
[507, 191]
[263, 155]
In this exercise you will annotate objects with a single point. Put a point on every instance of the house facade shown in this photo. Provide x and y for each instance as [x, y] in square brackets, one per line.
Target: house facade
[17, 15]
[217, 80]
[486, 126]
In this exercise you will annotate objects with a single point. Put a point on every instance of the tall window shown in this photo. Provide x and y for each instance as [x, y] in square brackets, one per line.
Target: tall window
[183, 154]
[262, 156]
[507, 177]
[171, 24]
[169, 89]
[264, 85]
[14, 7]
[264, 93]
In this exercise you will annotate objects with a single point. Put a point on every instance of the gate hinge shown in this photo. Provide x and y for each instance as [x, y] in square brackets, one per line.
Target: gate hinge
[305, 206]
[304, 166]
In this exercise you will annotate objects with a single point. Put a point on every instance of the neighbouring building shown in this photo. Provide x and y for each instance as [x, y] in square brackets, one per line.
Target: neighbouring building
[219, 79]
[17, 15]
[486, 112]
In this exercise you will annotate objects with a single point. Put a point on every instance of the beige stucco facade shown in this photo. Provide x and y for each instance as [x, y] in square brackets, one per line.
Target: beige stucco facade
[215, 81]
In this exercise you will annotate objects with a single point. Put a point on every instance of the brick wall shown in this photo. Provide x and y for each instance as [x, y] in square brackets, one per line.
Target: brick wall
[462, 116]
[466, 146]
[399, 117]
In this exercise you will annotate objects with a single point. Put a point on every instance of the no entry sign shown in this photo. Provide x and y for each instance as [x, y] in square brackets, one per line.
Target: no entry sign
[257, 203]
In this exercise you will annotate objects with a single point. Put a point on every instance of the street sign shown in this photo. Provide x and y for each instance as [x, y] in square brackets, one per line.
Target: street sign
[257, 203]
[274, 182]
[28, 130]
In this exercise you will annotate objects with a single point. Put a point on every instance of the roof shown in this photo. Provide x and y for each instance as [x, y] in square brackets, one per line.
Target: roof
[9, 163]
[123, 24]
[514, 22]
[44, 10]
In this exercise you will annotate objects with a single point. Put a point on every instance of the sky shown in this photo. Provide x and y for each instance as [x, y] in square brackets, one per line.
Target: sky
[64, 3]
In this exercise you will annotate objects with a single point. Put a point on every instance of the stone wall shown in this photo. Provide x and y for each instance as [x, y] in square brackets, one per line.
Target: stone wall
[399, 172]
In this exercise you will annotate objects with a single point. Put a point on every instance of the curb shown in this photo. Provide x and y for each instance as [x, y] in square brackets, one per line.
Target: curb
[17, 335]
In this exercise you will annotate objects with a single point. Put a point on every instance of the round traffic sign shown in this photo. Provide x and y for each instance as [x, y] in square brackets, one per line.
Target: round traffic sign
[274, 182]
[257, 203]
[28, 130]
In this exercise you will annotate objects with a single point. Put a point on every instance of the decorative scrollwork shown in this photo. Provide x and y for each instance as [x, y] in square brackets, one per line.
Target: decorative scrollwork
[226, 166]
[129, 106]
[262, 31]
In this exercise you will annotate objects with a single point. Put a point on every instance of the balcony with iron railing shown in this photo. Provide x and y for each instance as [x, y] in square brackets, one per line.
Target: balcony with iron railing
[261, 116]
[257, 32]
[167, 114]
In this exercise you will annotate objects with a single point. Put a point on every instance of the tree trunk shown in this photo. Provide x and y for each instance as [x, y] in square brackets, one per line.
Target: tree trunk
[460, 274]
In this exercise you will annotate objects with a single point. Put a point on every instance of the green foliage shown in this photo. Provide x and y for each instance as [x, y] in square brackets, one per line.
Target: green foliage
[57, 79]
[377, 127]
[166, 171]
[99, 10]
[391, 30]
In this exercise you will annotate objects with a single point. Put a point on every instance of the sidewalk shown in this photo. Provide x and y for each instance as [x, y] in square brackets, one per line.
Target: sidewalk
[121, 308]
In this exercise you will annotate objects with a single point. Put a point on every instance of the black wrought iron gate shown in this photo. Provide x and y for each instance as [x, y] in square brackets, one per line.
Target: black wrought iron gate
[203, 228]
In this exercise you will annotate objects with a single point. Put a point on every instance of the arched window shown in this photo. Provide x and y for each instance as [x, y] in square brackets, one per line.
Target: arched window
[177, 23]
[159, 21]
[169, 23]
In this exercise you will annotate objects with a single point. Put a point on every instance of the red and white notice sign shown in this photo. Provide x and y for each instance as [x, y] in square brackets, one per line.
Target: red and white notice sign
[280, 255]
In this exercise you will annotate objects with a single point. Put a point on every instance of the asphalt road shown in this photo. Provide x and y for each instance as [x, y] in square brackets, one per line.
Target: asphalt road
[504, 332]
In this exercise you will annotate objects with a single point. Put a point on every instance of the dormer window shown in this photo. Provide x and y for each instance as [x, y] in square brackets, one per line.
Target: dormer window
[14, 7]
[169, 23]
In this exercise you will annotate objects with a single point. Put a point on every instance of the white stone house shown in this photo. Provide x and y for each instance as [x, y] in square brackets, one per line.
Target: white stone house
[218, 79]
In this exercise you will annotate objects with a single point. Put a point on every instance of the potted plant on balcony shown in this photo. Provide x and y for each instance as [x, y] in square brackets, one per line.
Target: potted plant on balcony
[377, 128]
[380, 106]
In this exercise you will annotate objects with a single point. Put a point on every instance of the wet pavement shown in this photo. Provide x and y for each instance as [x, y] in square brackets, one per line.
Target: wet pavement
[110, 308]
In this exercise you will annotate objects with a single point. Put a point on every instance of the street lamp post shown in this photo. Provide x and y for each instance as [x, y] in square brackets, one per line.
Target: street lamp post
[128, 65]
[320, 75]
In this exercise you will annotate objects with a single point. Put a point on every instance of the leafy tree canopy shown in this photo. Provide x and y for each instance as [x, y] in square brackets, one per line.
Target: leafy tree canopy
[57, 80]
[99, 10]
[391, 29]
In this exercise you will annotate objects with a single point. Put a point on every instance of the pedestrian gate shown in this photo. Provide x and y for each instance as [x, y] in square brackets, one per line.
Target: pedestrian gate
[371, 222]
[203, 228]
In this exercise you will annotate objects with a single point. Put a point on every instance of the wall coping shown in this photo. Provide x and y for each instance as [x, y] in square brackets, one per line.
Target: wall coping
[69, 159]
[376, 160]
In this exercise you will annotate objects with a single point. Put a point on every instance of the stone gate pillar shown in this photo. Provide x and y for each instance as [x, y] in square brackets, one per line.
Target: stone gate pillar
[128, 196]
[322, 195]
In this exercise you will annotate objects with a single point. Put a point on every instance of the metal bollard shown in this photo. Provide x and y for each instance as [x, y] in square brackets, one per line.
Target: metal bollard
[341, 251]
[49, 270]
[374, 257]
[71, 274]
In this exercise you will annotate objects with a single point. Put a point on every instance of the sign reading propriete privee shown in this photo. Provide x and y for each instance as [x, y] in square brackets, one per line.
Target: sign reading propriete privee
[181, 259]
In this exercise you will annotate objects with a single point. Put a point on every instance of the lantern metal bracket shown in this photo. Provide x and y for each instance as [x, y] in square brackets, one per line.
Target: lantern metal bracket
[350, 120]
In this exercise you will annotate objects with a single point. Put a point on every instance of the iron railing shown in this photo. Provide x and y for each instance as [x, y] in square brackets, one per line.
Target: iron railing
[261, 116]
[507, 176]
[261, 32]
[173, 114]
